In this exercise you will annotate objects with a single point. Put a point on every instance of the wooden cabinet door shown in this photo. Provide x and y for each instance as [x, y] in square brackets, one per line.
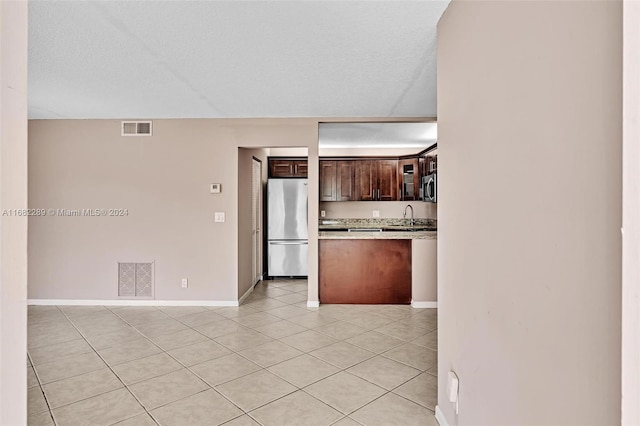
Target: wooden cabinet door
[280, 168]
[366, 180]
[300, 168]
[345, 181]
[328, 180]
[408, 179]
[387, 180]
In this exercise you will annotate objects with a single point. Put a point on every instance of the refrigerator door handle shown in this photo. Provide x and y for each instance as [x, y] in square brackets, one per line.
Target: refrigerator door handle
[288, 243]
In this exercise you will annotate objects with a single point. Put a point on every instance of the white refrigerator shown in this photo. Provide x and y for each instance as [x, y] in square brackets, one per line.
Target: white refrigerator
[287, 234]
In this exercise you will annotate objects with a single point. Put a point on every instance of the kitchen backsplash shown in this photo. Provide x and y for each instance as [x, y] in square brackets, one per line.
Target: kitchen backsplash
[387, 209]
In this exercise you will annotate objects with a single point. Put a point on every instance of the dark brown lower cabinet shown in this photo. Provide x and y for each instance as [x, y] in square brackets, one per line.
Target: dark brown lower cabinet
[365, 271]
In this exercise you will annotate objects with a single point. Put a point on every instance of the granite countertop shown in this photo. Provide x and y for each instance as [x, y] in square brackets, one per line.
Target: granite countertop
[386, 235]
[393, 229]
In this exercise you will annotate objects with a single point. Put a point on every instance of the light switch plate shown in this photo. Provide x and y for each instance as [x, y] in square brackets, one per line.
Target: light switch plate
[215, 188]
[323, 213]
[376, 213]
[185, 283]
[219, 217]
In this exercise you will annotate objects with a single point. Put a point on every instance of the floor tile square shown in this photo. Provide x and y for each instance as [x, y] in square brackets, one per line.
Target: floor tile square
[220, 328]
[308, 340]
[128, 351]
[105, 409]
[429, 340]
[32, 380]
[342, 355]
[402, 330]
[370, 321]
[114, 338]
[35, 401]
[202, 409]
[413, 355]
[256, 320]
[69, 367]
[303, 370]
[242, 340]
[139, 420]
[270, 353]
[265, 304]
[340, 330]
[298, 408]
[286, 312]
[146, 368]
[242, 421]
[254, 390]
[178, 339]
[314, 319]
[224, 369]
[136, 318]
[235, 311]
[49, 353]
[167, 388]
[201, 318]
[375, 342]
[394, 410]
[40, 419]
[199, 352]
[345, 392]
[157, 328]
[80, 387]
[384, 372]
[422, 390]
[292, 298]
[346, 421]
[280, 329]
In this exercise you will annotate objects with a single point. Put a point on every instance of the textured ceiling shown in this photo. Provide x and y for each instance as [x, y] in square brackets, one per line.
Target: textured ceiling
[377, 135]
[179, 59]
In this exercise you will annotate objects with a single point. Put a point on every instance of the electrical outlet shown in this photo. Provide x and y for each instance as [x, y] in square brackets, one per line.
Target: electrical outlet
[185, 282]
[219, 217]
[323, 213]
[376, 213]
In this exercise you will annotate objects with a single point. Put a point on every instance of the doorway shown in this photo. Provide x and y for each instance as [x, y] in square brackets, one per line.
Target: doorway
[256, 220]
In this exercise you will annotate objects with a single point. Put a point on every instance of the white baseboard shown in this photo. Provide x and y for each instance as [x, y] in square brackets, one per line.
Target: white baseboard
[442, 421]
[131, 302]
[424, 304]
[311, 304]
[246, 294]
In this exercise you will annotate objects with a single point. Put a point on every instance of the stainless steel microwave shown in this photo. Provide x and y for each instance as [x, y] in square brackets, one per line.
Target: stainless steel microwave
[429, 188]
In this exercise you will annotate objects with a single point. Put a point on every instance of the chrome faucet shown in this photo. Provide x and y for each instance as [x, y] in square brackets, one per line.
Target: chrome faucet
[404, 215]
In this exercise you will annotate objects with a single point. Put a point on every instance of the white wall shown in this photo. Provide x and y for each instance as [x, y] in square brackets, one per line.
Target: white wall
[631, 218]
[529, 110]
[13, 229]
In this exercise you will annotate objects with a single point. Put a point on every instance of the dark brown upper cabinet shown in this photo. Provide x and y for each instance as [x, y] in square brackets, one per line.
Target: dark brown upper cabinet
[408, 179]
[376, 180]
[337, 180]
[288, 168]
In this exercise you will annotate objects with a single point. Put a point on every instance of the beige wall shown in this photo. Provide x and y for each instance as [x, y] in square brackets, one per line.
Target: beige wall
[163, 181]
[631, 218]
[13, 229]
[529, 267]
[424, 270]
[387, 209]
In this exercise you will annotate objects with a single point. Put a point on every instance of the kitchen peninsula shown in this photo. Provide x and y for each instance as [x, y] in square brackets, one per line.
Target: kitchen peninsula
[378, 261]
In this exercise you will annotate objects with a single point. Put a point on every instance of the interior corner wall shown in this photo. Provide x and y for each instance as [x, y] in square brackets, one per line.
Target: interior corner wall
[13, 202]
[529, 245]
[245, 225]
[163, 183]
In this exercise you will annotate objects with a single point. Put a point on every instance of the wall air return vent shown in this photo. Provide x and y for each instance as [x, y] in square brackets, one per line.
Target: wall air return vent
[135, 280]
[136, 128]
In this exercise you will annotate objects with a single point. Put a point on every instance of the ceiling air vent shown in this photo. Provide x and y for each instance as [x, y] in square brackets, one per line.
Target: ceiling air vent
[136, 128]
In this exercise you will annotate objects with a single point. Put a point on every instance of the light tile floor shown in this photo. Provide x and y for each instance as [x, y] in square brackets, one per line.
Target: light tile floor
[271, 361]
